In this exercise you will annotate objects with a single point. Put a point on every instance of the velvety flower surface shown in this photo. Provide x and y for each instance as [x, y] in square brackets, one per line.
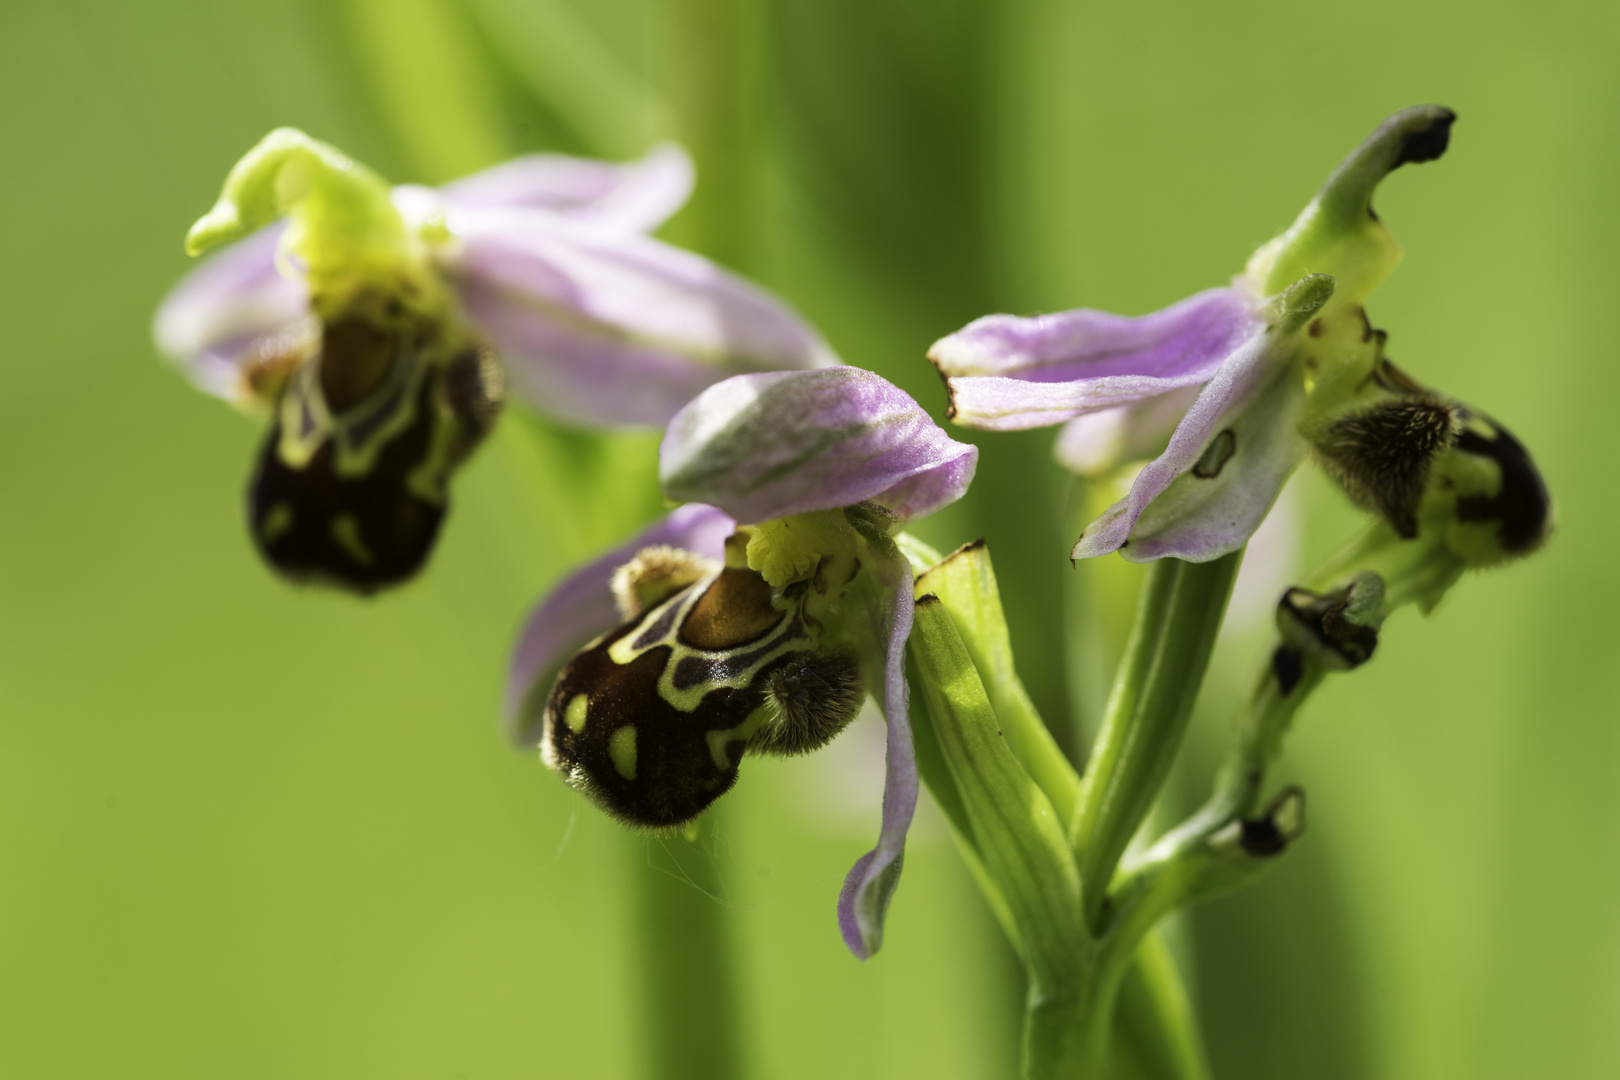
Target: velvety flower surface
[582, 606]
[780, 443]
[821, 468]
[1225, 392]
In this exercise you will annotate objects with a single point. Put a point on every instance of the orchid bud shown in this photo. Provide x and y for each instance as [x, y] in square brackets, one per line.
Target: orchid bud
[1276, 827]
[1339, 630]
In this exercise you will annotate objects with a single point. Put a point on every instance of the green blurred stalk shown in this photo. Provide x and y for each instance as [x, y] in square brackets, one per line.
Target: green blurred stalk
[709, 57]
[712, 66]
[1154, 1020]
[688, 999]
[1177, 618]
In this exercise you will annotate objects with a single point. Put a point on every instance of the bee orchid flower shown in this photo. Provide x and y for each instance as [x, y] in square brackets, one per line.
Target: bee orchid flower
[1226, 392]
[757, 618]
[379, 327]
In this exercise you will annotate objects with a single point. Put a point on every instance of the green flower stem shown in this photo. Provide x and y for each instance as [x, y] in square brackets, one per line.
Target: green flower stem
[689, 1003]
[1177, 619]
[1239, 784]
[710, 58]
[1070, 1037]
[999, 778]
[1154, 1016]
[1203, 856]
[1413, 573]
[1270, 714]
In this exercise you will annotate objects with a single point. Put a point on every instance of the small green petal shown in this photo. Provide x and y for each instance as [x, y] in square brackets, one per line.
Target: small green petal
[1289, 309]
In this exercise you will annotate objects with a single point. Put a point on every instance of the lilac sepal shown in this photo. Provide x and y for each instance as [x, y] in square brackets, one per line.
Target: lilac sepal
[1008, 373]
[1096, 443]
[769, 445]
[615, 328]
[580, 607]
[1199, 518]
[864, 900]
[226, 304]
[1182, 507]
[638, 196]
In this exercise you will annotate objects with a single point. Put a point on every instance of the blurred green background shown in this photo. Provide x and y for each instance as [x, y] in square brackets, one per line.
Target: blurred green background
[253, 831]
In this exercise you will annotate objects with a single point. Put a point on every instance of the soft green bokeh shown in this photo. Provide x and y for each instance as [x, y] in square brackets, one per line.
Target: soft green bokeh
[252, 831]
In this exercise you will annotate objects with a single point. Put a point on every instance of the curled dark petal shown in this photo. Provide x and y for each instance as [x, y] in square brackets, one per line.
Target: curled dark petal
[1288, 667]
[1426, 143]
[1281, 823]
[1323, 626]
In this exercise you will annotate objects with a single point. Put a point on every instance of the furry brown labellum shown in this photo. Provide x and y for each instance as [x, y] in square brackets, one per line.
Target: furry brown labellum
[1383, 455]
[351, 483]
[652, 720]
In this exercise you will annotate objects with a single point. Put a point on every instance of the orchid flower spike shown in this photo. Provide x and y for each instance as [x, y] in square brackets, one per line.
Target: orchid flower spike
[755, 619]
[1229, 390]
[379, 327]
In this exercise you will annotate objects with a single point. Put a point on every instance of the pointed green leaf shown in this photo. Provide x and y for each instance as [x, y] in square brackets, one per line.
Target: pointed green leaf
[1015, 829]
[965, 583]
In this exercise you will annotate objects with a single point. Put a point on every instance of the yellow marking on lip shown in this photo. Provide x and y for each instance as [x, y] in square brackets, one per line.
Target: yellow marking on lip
[345, 529]
[721, 739]
[277, 522]
[622, 749]
[574, 715]
[718, 741]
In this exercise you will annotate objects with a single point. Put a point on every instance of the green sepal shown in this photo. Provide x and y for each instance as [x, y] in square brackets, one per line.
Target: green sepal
[1014, 828]
[922, 557]
[1338, 233]
[344, 228]
[965, 583]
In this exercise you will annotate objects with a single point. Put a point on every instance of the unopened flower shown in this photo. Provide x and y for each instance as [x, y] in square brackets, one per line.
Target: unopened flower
[706, 639]
[1228, 391]
[378, 328]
